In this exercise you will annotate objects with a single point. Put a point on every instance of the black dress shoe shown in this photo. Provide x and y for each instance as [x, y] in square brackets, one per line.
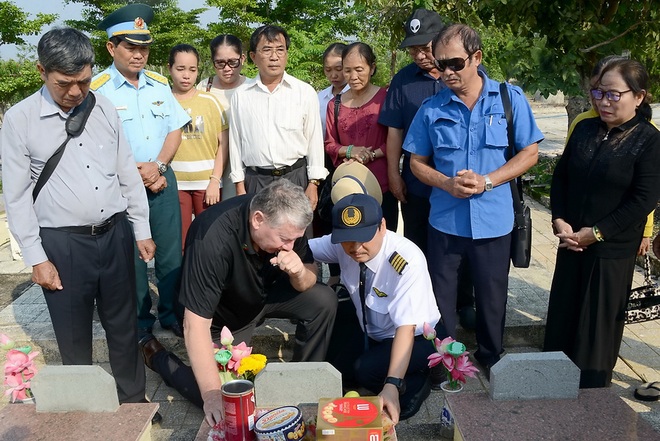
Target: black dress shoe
[415, 403]
[175, 328]
[144, 332]
[149, 346]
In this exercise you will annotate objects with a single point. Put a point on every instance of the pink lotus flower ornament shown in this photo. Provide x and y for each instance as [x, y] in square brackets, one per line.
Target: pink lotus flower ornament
[454, 359]
[429, 332]
[226, 337]
[238, 352]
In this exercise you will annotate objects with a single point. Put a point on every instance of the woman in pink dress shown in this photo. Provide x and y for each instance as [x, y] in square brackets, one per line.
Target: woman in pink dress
[356, 134]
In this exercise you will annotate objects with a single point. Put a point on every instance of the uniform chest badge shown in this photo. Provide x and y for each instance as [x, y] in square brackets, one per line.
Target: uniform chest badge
[379, 293]
[158, 103]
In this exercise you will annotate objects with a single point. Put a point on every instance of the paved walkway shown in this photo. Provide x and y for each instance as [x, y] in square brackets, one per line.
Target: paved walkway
[27, 320]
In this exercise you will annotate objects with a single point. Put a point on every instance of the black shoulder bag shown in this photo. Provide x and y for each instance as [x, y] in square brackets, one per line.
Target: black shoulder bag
[74, 126]
[325, 199]
[521, 236]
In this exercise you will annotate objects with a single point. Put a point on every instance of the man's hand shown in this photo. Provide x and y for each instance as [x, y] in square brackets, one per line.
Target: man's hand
[240, 188]
[146, 249]
[148, 172]
[159, 185]
[390, 396]
[644, 246]
[312, 193]
[213, 410]
[45, 275]
[463, 185]
[289, 262]
[397, 187]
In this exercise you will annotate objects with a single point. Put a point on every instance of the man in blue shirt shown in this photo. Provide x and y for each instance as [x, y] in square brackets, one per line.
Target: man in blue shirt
[409, 87]
[152, 120]
[464, 129]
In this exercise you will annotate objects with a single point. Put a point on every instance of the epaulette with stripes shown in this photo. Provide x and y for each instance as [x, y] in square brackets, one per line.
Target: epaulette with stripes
[398, 262]
[157, 77]
[100, 81]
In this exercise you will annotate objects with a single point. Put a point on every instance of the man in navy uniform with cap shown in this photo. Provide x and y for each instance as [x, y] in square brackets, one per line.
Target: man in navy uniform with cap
[152, 120]
[388, 281]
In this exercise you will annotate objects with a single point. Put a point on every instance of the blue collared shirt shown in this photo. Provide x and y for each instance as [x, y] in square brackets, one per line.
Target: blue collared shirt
[148, 113]
[408, 89]
[459, 138]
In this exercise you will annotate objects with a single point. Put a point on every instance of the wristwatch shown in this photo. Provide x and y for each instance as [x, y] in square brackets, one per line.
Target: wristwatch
[489, 183]
[400, 384]
[162, 167]
[316, 182]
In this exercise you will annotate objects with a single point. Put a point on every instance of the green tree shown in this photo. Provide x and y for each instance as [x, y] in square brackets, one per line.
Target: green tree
[15, 24]
[171, 26]
[20, 79]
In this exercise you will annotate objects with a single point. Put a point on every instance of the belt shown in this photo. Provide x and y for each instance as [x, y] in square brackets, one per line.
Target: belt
[280, 171]
[95, 230]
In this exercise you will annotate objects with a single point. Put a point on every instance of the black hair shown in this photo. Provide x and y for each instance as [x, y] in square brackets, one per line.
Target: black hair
[270, 33]
[636, 77]
[182, 48]
[335, 48]
[365, 52]
[65, 50]
[226, 40]
[469, 37]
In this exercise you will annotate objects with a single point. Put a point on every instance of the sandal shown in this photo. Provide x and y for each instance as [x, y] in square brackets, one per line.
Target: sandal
[648, 391]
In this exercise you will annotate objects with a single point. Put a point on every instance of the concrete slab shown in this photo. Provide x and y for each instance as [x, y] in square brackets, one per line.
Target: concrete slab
[71, 388]
[533, 376]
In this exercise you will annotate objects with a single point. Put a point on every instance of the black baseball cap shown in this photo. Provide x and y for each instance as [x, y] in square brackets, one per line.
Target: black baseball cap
[421, 27]
[356, 218]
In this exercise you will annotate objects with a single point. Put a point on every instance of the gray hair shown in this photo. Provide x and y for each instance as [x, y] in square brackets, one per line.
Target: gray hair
[283, 202]
[65, 50]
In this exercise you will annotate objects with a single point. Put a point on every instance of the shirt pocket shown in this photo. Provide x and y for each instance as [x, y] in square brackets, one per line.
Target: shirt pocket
[446, 133]
[496, 130]
[290, 119]
[380, 307]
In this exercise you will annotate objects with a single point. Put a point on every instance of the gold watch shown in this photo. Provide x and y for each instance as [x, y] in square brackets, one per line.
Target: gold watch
[316, 182]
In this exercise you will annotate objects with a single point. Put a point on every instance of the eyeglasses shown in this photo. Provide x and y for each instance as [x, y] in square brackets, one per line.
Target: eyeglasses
[269, 51]
[414, 50]
[454, 64]
[232, 62]
[611, 95]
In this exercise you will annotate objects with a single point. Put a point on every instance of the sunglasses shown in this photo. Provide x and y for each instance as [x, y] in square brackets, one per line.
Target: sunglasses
[611, 95]
[232, 62]
[454, 64]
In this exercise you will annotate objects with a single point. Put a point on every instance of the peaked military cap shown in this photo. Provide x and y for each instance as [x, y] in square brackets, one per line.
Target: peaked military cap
[130, 24]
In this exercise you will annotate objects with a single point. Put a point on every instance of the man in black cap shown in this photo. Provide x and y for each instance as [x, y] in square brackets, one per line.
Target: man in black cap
[409, 87]
[152, 120]
[388, 281]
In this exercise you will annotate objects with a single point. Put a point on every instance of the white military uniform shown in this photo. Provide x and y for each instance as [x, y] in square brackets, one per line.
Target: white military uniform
[398, 286]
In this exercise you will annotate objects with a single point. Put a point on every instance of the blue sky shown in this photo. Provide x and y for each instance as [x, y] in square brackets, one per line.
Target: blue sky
[71, 11]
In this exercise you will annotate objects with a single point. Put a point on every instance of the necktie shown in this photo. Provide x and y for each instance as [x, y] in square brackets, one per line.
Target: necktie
[363, 278]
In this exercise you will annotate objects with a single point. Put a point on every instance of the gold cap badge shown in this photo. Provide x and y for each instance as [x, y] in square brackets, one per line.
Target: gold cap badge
[351, 216]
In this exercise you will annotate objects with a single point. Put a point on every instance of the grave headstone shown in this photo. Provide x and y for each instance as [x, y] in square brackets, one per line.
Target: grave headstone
[535, 375]
[70, 388]
[281, 384]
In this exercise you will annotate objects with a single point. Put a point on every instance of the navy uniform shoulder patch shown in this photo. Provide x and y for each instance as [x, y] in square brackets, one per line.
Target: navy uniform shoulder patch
[157, 77]
[398, 262]
[100, 81]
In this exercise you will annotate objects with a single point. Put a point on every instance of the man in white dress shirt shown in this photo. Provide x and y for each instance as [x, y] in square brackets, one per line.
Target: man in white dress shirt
[275, 130]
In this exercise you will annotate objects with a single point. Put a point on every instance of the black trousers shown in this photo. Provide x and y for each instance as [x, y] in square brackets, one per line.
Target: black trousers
[315, 310]
[97, 269]
[488, 260]
[368, 368]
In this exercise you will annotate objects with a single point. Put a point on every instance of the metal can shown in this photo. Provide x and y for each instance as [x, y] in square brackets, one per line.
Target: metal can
[239, 406]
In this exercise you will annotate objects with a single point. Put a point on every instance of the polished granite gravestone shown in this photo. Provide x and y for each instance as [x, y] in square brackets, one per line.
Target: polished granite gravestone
[596, 414]
[131, 422]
